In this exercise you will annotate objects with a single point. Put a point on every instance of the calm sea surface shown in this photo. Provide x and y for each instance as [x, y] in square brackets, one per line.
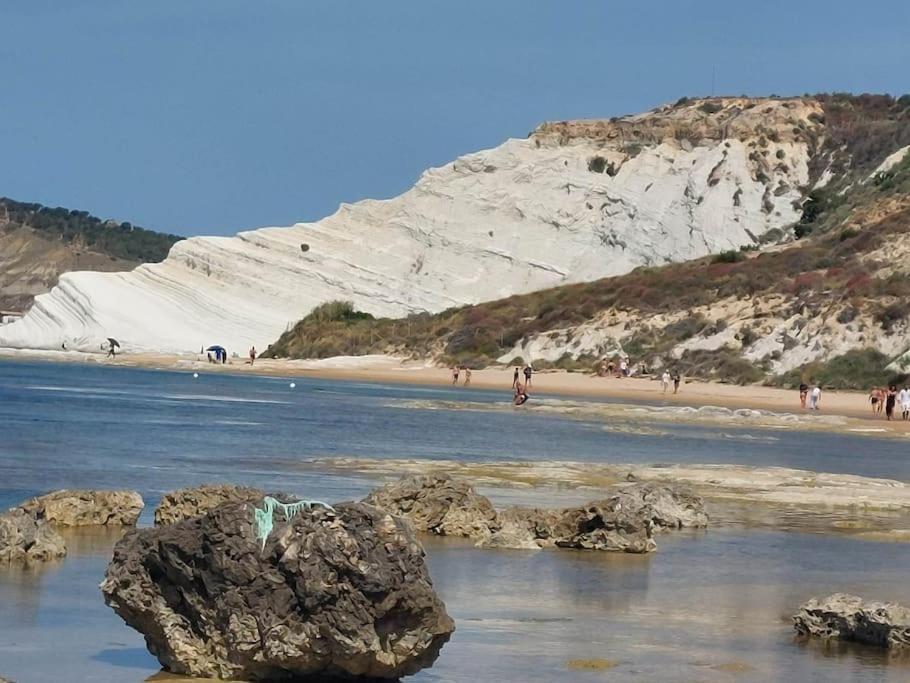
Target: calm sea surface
[708, 606]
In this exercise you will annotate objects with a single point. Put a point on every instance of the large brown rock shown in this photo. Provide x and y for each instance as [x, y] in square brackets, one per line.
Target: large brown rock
[848, 617]
[84, 508]
[24, 538]
[333, 593]
[438, 504]
[667, 507]
[187, 503]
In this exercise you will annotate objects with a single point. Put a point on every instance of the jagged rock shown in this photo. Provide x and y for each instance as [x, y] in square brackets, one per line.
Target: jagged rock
[438, 504]
[669, 508]
[608, 525]
[333, 593]
[24, 538]
[83, 508]
[848, 617]
[181, 504]
[528, 528]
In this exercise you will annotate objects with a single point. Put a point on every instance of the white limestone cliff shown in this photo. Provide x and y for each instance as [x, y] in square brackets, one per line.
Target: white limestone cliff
[575, 201]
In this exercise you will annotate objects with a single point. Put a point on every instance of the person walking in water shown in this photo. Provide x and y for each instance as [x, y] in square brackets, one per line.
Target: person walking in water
[528, 371]
[521, 395]
[252, 355]
[904, 399]
[890, 400]
[515, 376]
[665, 381]
[815, 396]
[454, 374]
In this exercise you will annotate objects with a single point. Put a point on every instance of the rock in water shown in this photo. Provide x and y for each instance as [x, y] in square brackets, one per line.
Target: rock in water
[182, 504]
[333, 593]
[437, 503]
[83, 508]
[23, 538]
[606, 525]
[848, 617]
[666, 507]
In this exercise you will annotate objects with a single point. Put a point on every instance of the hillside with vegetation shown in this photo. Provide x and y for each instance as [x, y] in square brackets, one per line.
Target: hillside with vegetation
[38, 243]
[826, 298]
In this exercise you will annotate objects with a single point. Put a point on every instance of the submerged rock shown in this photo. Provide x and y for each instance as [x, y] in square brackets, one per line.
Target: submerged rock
[182, 504]
[332, 593]
[849, 617]
[84, 508]
[438, 504]
[25, 538]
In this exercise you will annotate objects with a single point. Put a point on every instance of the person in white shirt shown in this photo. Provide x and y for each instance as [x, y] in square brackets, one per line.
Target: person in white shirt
[665, 380]
[814, 397]
[904, 398]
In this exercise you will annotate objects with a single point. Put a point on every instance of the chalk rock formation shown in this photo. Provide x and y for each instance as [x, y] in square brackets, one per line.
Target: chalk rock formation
[23, 538]
[182, 504]
[334, 593]
[84, 508]
[573, 202]
[849, 617]
[438, 504]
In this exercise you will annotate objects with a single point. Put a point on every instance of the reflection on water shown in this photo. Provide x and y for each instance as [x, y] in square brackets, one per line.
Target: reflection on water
[708, 606]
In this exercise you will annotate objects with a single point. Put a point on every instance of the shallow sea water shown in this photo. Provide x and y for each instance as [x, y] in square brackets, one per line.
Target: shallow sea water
[707, 606]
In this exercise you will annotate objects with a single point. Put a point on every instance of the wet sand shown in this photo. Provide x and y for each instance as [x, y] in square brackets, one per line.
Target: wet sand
[386, 369]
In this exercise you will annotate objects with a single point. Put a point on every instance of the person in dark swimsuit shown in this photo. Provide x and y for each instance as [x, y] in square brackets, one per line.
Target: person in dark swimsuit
[515, 376]
[890, 399]
[803, 394]
[528, 372]
[521, 395]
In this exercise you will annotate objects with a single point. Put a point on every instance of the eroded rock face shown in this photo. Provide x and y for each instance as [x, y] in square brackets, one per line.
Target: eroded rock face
[182, 504]
[83, 508]
[668, 508]
[607, 525]
[438, 504]
[342, 593]
[24, 538]
[849, 617]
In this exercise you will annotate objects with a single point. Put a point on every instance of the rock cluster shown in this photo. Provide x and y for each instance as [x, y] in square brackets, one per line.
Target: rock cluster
[84, 508]
[182, 504]
[333, 593]
[626, 521]
[25, 538]
[848, 617]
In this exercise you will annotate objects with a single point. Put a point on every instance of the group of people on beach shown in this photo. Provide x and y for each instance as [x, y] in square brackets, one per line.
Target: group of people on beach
[456, 373]
[887, 399]
[811, 395]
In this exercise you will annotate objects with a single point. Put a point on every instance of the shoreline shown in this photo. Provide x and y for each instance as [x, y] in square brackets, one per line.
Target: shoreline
[390, 370]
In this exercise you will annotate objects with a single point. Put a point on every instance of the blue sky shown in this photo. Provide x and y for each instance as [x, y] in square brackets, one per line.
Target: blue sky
[209, 117]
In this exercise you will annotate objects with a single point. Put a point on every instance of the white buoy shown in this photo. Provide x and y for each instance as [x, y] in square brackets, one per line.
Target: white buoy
[292, 385]
[195, 375]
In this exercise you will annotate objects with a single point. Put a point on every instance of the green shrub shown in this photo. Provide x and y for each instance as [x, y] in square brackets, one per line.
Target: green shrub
[856, 369]
[729, 256]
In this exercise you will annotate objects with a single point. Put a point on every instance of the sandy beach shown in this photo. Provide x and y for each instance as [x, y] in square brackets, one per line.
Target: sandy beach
[387, 369]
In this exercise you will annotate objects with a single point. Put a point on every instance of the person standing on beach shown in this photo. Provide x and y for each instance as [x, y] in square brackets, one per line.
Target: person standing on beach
[515, 376]
[528, 371]
[252, 355]
[890, 400]
[665, 381]
[454, 374]
[623, 368]
[815, 396]
[904, 398]
[676, 379]
[877, 399]
[467, 376]
[803, 394]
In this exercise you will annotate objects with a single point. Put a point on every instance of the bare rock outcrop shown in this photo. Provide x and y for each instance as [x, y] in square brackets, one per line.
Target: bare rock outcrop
[25, 538]
[438, 504]
[182, 504]
[339, 593]
[848, 617]
[85, 507]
